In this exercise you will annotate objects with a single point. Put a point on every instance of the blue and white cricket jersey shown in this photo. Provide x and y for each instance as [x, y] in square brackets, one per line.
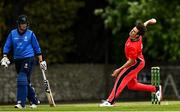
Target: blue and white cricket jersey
[25, 45]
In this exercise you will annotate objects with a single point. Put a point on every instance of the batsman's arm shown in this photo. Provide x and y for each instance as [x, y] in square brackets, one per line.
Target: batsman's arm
[40, 58]
[7, 45]
[37, 50]
[42, 63]
[150, 22]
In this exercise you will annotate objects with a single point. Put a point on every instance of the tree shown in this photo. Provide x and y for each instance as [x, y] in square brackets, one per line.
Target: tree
[2, 26]
[163, 38]
[52, 21]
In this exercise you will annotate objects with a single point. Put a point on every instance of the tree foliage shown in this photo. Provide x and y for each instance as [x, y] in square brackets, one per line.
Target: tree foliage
[52, 22]
[162, 42]
[2, 26]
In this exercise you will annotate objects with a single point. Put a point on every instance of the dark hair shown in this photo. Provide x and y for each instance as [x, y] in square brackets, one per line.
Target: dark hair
[142, 29]
[22, 19]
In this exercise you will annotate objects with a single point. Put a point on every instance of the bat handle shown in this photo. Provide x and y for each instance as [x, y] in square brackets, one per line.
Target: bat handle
[44, 75]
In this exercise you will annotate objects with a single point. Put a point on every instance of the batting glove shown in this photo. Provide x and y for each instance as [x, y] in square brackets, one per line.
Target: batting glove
[43, 65]
[5, 62]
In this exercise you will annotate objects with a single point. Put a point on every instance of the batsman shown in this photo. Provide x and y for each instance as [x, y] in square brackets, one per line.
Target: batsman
[24, 44]
[126, 75]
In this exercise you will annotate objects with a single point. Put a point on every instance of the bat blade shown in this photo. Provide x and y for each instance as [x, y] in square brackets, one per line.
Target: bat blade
[48, 91]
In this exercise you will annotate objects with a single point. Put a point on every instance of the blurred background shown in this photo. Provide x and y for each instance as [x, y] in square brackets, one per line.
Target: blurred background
[83, 42]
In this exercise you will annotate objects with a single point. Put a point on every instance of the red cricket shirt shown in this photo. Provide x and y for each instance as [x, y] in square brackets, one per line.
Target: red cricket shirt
[133, 50]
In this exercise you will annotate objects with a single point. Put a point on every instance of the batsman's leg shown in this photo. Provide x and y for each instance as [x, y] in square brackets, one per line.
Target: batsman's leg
[31, 91]
[21, 88]
[32, 95]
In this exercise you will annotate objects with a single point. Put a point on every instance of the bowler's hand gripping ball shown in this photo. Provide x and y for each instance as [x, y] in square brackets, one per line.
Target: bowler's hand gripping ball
[152, 21]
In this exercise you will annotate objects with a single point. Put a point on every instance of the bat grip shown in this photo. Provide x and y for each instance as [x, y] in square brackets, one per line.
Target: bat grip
[44, 75]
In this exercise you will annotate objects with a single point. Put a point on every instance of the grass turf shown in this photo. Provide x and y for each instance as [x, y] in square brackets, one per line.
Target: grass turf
[168, 106]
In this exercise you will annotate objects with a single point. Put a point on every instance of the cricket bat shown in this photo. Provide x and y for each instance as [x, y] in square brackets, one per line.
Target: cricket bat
[48, 90]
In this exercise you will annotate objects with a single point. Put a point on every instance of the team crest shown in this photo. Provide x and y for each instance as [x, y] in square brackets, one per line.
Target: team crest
[26, 65]
[25, 38]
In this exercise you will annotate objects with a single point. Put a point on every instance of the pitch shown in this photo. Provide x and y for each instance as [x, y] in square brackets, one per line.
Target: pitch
[168, 106]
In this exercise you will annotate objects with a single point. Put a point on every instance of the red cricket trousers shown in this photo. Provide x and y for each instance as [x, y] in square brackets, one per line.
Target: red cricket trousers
[128, 77]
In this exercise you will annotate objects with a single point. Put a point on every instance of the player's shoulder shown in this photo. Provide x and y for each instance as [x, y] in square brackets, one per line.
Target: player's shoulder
[29, 30]
[13, 30]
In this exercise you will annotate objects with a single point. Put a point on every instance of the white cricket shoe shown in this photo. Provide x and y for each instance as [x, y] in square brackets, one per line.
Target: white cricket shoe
[106, 104]
[39, 101]
[33, 106]
[19, 106]
[159, 93]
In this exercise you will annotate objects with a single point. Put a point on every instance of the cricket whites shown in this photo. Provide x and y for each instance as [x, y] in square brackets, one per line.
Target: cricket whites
[48, 90]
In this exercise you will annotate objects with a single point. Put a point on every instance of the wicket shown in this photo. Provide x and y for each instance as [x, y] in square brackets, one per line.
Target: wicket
[155, 80]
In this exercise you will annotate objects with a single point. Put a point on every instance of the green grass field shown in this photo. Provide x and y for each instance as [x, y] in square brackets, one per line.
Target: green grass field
[168, 106]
